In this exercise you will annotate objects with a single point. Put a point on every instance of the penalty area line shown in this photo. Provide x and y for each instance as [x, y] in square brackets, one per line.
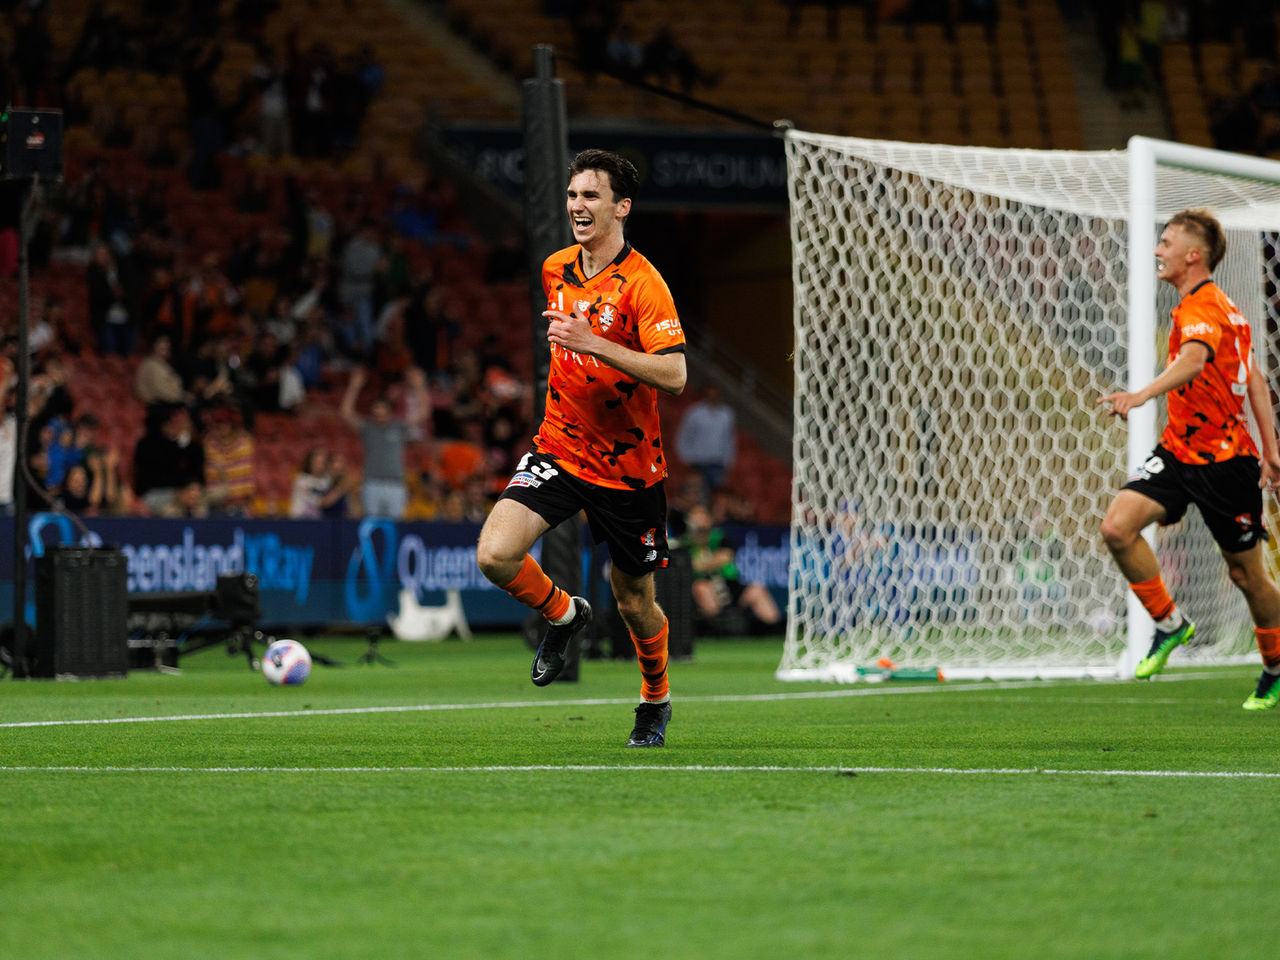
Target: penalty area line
[685, 768]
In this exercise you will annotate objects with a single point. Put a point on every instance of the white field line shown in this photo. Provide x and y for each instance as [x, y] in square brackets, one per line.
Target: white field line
[878, 690]
[693, 768]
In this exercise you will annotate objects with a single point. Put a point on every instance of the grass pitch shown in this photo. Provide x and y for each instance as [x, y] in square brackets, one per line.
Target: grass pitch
[444, 807]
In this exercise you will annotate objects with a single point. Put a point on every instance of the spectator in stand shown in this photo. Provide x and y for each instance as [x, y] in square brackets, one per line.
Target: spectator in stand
[717, 582]
[476, 500]
[458, 462]
[93, 487]
[41, 337]
[318, 486]
[428, 327]
[270, 75]
[345, 479]
[157, 380]
[312, 349]
[466, 389]
[1133, 68]
[665, 58]
[729, 506]
[59, 339]
[168, 456]
[624, 54]
[188, 501]
[108, 314]
[683, 499]
[384, 438]
[312, 107]
[199, 64]
[215, 375]
[391, 353]
[273, 382]
[212, 299]
[71, 447]
[357, 273]
[320, 227]
[707, 438]
[228, 462]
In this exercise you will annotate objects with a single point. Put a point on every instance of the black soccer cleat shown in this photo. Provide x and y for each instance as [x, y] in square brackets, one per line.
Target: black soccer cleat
[549, 660]
[651, 725]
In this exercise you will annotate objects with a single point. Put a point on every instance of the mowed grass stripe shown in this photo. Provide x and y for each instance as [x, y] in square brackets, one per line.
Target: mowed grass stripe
[845, 692]
[684, 768]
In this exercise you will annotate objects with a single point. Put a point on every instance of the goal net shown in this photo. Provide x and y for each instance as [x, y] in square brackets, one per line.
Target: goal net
[958, 310]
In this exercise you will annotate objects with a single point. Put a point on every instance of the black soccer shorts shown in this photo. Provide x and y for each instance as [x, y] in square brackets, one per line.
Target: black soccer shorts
[632, 522]
[1226, 493]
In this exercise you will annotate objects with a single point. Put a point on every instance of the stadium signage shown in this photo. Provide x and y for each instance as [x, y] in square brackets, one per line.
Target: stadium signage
[684, 170]
[324, 571]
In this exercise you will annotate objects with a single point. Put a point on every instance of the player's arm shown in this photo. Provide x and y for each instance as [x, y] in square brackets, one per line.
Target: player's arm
[1191, 360]
[347, 409]
[1260, 401]
[663, 371]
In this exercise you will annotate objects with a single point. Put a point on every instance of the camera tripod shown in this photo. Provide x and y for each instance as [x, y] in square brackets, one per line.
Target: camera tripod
[371, 656]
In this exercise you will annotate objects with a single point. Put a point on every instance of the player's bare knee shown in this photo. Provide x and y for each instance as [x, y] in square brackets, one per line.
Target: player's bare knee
[493, 563]
[638, 610]
[1244, 579]
[1116, 535]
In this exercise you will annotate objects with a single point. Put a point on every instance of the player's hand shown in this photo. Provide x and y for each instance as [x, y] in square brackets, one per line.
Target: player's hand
[1270, 479]
[1121, 403]
[569, 330]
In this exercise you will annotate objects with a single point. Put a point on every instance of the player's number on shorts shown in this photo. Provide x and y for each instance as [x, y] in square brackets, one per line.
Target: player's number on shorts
[540, 469]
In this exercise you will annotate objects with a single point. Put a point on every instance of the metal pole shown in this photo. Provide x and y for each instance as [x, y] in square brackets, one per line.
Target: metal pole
[546, 223]
[21, 635]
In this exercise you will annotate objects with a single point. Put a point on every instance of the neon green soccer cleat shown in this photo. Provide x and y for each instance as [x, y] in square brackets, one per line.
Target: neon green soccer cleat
[1161, 647]
[1267, 695]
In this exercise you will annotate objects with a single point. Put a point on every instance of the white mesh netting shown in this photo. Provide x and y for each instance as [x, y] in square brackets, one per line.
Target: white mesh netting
[958, 310]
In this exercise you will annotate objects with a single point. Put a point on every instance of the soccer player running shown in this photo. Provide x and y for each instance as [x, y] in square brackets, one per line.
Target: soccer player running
[615, 341]
[1205, 455]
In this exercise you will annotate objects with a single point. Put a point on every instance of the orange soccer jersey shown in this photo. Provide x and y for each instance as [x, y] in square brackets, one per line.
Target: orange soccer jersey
[601, 424]
[1206, 416]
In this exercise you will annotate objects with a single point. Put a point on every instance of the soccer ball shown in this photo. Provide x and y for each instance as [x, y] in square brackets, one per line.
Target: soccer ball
[286, 663]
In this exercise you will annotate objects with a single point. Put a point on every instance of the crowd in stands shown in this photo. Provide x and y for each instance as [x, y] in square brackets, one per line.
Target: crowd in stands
[311, 305]
[1243, 105]
[606, 41]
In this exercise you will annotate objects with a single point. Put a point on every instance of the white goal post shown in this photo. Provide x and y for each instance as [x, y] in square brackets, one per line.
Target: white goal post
[958, 310]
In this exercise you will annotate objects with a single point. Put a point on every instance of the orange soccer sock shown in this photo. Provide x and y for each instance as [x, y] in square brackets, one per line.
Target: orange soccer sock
[1154, 597]
[653, 665]
[534, 589]
[1269, 646]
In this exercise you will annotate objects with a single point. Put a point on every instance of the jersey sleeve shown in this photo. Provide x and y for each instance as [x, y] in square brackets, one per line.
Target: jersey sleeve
[1195, 322]
[657, 322]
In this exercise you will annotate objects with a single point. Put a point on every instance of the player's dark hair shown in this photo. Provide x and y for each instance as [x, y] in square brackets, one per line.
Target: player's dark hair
[623, 177]
[1208, 230]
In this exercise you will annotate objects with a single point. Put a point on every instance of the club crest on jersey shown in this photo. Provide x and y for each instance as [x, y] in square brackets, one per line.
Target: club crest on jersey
[607, 315]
